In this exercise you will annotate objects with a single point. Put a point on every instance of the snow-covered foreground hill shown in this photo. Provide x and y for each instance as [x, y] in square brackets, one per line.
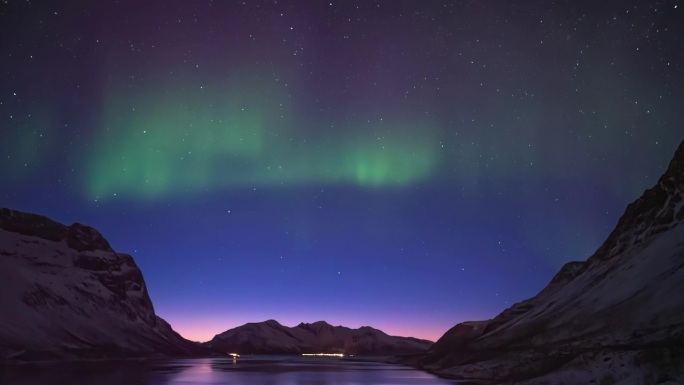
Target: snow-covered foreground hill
[270, 337]
[64, 293]
[617, 318]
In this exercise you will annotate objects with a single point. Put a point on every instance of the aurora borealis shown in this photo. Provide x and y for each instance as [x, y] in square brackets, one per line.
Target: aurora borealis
[155, 147]
[400, 164]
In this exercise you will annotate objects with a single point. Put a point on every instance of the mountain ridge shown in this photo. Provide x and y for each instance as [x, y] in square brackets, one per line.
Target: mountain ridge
[615, 317]
[270, 337]
[66, 294]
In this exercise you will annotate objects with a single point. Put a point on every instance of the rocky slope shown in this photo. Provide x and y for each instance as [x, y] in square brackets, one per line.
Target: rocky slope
[64, 293]
[270, 337]
[617, 318]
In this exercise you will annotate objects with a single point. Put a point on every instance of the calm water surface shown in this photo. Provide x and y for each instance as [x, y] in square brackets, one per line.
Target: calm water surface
[247, 371]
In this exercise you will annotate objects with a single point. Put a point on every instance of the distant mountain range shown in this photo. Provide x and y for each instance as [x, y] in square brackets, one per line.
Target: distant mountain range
[64, 293]
[616, 318]
[270, 337]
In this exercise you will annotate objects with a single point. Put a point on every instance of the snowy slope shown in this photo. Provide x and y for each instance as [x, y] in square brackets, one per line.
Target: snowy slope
[270, 337]
[64, 293]
[617, 318]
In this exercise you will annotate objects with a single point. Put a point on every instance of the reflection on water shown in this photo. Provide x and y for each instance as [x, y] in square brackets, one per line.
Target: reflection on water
[259, 370]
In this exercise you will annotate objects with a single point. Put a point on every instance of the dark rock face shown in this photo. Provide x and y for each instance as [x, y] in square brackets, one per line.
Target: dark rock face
[657, 210]
[619, 316]
[64, 293]
[77, 236]
[270, 337]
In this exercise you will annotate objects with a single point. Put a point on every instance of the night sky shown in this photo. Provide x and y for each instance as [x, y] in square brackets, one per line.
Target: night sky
[406, 165]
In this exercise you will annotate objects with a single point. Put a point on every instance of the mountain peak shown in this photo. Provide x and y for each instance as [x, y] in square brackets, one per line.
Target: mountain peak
[78, 237]
[319, 323]
[657, 210]
[676, 168]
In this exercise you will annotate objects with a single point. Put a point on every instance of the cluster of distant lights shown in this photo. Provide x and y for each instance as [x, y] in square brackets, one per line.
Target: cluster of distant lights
[324, 354]
[235, 355]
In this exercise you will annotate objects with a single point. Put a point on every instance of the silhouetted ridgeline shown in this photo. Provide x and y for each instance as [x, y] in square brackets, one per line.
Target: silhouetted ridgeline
[270, 337]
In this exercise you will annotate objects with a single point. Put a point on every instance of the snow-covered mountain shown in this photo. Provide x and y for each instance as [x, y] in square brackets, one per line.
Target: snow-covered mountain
[617, 318]
[64, 293]
[270, 337]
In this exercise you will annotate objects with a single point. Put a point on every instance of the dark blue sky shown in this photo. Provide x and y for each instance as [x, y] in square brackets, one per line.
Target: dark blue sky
[400, 164]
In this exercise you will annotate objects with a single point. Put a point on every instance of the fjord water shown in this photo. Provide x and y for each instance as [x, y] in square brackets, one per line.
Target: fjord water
[254, 370]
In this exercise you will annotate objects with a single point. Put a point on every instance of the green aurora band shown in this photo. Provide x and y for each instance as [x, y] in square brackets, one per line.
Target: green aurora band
[171, 143]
